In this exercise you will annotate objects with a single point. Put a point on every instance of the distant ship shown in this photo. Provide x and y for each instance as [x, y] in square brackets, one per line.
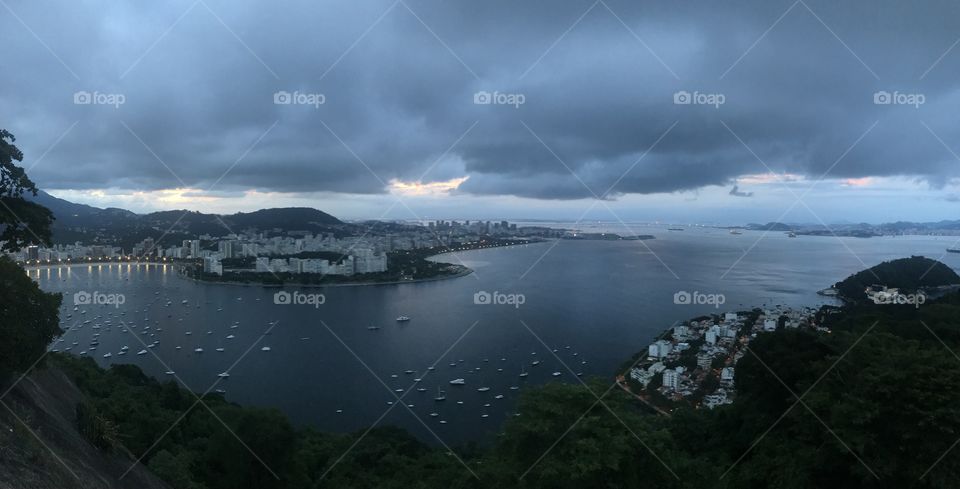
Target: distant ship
[736, 231]
[402, 319]
[675, 229]
[458, 382]
[791, 234]
[953, 249]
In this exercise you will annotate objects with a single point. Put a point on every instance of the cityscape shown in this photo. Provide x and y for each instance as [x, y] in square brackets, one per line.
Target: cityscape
[437, 244]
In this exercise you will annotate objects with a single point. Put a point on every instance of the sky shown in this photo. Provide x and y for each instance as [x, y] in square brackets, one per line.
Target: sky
[693, 112]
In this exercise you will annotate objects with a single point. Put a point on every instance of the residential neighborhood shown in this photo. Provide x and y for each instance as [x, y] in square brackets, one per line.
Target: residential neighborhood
[695, 361]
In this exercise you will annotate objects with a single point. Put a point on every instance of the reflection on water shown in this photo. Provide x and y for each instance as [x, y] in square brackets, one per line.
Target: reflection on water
[589, 306]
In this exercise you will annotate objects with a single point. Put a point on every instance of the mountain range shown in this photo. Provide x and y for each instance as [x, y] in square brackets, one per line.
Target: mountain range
[120, 227]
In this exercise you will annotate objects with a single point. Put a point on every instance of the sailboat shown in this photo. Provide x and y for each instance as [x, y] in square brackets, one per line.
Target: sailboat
[441, 396]
[523, 372]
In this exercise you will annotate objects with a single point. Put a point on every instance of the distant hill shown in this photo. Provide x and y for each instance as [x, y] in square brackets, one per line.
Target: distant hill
[120, 227]
[283, 219]
[907, 274]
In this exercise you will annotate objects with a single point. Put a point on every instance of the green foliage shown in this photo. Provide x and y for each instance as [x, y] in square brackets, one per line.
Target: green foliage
[99, 431]
[28, 319]
[22, 222]
[908, 274]
[872, 404]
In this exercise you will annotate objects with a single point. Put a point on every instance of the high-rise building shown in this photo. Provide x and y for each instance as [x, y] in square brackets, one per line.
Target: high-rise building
[212, 265]
[671, 379]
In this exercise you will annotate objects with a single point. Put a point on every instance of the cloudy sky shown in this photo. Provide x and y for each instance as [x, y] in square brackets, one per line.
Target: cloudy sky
[724, 112]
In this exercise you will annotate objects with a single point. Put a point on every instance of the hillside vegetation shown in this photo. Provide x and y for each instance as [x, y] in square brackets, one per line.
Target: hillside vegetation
[878, 408]
[907, 274]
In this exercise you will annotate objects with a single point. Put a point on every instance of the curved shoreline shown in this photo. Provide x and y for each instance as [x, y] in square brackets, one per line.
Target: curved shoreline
[466, 271]
[462, 273]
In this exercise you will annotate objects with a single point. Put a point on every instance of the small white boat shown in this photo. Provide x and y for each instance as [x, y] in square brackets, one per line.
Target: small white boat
[555, 374]
[220, 349]
[498, 396]
[441, 396]
[142, 352]
[482, 389]
[198, 350]
[458, 382]
[266, 348]
[223, 375]
[169, 372]
[107, 355]
[230, 337]
[401, 319]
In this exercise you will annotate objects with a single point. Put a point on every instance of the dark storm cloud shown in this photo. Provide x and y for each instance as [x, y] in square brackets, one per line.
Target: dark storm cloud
[602, 114]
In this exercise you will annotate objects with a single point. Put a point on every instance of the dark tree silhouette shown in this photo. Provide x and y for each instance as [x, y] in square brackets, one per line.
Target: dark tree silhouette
[22, 222]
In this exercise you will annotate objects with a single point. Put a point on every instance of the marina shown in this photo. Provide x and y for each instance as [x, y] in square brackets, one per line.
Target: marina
[279, 355]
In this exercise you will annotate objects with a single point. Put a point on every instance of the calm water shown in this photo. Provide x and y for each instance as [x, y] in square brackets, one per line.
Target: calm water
[603, 300]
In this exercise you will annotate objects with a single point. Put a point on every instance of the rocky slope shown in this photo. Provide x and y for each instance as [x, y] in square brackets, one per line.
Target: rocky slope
[40, 447]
